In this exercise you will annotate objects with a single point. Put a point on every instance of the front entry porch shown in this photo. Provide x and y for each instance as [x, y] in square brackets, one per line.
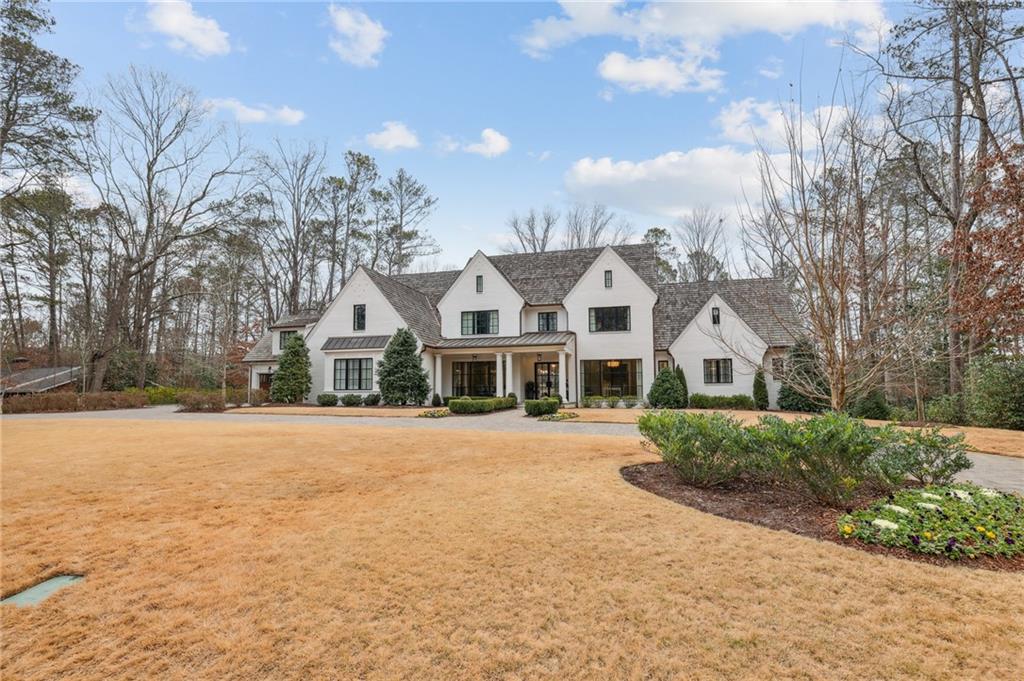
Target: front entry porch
[529, 371]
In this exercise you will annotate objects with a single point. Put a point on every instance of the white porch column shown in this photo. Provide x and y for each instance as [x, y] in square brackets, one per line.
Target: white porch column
[500, 374]
[512, 386]
[562, 378]
[438, 375]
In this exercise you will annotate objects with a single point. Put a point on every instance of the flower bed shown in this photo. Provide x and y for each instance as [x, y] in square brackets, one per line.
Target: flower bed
[434, 413]
[559, 416]
[956, 521]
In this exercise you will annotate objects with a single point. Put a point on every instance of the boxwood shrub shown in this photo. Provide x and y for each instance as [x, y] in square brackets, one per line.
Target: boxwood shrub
[479, 405]
[545, 405]
[702, 401]
[327, 399]
[201, 400]
[371, 399]
[351, 400]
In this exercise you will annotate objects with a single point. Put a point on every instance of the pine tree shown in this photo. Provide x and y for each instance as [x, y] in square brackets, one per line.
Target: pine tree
[401, 374]
[293, 380]
[760, 390]
[682, 381]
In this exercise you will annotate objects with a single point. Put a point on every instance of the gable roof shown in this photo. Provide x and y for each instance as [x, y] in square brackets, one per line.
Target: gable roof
[763, 304]
[413, 306]
[431, 284]
[294, 319]
[263, 351]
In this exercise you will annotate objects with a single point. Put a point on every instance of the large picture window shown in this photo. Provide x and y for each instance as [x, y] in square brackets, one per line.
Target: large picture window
[474, 379]
[547, 321]
[353, 374]
[611, 377]
[718, 371]
[609, 318]
[479, 323]
[285, 337]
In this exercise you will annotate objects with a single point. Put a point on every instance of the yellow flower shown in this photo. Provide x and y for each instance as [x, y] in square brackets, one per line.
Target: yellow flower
[990, 535]
[979, 528]
[927, 535]
[847, 529]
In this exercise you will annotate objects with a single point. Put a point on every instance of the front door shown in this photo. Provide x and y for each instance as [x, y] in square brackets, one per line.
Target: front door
[265, 381]
[545, 375]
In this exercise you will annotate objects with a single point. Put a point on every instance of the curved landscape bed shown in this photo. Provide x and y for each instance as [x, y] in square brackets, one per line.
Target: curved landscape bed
[780, 508]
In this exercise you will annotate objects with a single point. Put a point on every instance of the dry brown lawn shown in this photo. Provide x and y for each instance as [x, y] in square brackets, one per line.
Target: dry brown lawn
[991, 440]
[306, 410]
[242, 551]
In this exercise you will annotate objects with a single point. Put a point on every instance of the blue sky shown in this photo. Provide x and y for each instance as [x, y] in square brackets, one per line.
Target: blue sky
[498, 107]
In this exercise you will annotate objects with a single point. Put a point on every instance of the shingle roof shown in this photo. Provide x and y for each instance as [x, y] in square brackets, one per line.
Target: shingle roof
[263, 351]
[355, 342]
[293, 319]
[38, 380]
[431, 284]
[763, 304]
[413, 306]
[529, 339]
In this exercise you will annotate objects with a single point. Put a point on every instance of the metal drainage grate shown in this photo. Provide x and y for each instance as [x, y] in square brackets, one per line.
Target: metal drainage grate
[35, 594]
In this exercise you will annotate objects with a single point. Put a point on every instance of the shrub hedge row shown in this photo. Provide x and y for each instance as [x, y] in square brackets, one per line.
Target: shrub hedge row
[545, 405]
[470, 405]
[830, 458]
[702, 401]
[68, 401]
[201, 400]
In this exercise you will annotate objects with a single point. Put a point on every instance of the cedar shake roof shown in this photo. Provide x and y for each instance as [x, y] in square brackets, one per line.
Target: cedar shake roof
[263, 351]
[414, 306]
[763, 304]
[296, 319]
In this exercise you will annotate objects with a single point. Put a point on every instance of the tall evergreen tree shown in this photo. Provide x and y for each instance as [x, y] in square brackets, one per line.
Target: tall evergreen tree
[293, 380]
[401, 375]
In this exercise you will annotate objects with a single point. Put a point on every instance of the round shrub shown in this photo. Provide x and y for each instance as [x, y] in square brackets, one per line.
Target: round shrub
[613, 401]
[372, 399]
[629, 401]
[667, 392]
[351, 400]
[546, 405]
[436, 401]
[327, 399]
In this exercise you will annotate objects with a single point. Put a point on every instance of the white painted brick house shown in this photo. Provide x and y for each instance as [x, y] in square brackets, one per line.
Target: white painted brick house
[580, 322]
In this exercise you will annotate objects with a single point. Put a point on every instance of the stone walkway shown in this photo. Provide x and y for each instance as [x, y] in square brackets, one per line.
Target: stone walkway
[990, 470]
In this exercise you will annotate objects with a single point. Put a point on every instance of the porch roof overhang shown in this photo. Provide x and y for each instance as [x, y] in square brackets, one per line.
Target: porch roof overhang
[355, 343]
[527, 341]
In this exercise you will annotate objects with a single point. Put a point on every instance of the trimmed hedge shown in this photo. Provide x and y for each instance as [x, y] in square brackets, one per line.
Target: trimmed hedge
[372, 399]
[469, 405]
[351, 400]
[68, 401]
[702, 401]
[546, 405]
[327, 399]
[201, 400]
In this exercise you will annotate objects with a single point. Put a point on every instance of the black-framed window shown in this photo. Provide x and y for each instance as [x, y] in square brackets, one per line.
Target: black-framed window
[479, 283]
[353, 374]
[609, 318]
[547, 321]
[778, 367]
[716, 315]
[607, 278]
[611, 377]
[718, 371]
[662, 365]
[359, 318]
[474, 379]
[479, 323]
[285, 337]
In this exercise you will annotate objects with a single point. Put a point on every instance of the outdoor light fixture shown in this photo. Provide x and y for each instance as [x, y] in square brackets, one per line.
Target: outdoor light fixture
[474, 356]
[538, 356]
[613, 363]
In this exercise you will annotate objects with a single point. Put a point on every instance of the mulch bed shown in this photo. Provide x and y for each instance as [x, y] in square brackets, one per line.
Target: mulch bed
[781, 508]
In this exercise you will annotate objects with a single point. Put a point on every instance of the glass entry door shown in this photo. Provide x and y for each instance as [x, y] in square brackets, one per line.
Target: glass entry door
[545, 376]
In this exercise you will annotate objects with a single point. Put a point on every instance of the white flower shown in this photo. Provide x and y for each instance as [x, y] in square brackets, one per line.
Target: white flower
[990, 492]
[885, 524]
[960, 494]
[929, 495]
[896, 509]
[928, 507]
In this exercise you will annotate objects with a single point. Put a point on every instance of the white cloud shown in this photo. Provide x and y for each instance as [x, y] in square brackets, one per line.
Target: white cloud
[261, 113]
[771, 68]
[492, 143]
[676, 39]
[668, 185]
[394, 135]
[187, 31]
[357, 38]
[660, 74]
[752, 121]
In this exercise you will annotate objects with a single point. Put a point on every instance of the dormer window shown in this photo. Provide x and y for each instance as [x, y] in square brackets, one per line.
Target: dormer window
[285, 337]
[359, 318]
[479, 283]
[716, 316]
[607, 278]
